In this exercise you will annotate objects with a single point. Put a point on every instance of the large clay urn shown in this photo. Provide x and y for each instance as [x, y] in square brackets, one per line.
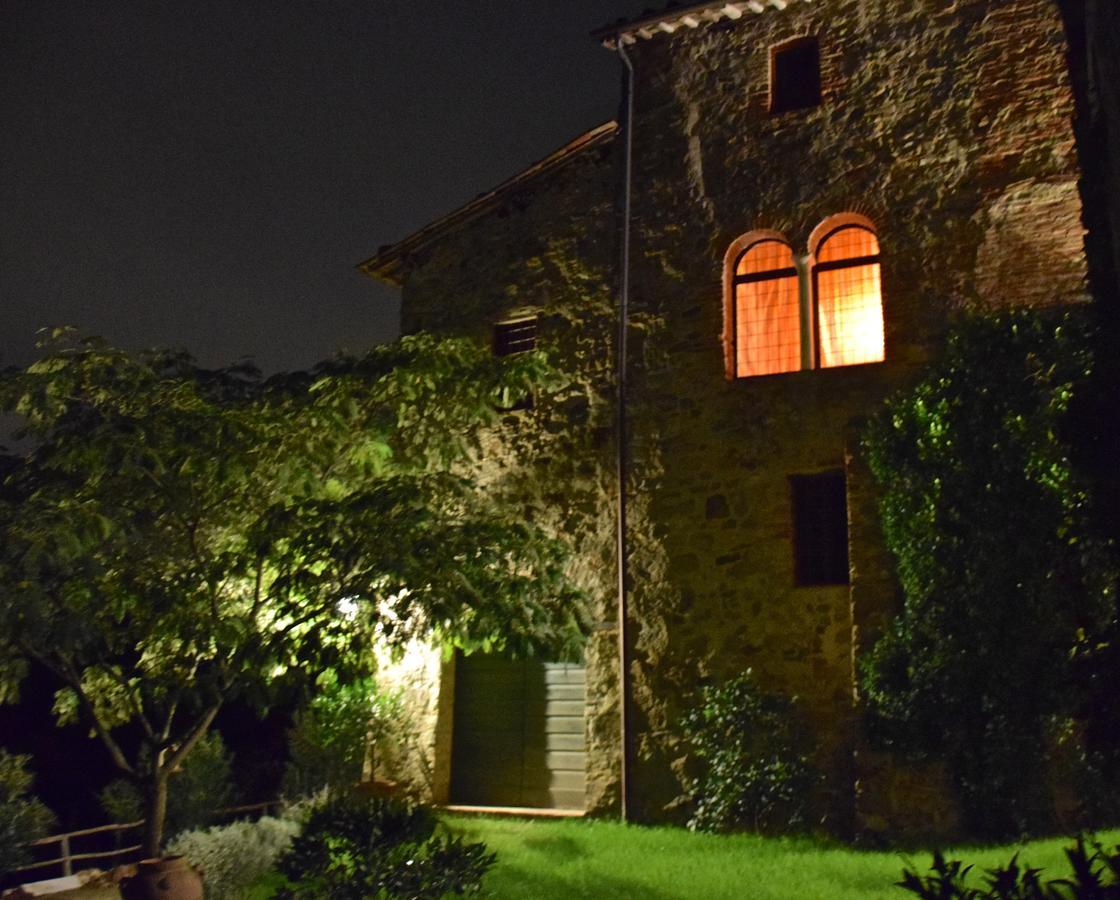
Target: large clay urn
[166, 878]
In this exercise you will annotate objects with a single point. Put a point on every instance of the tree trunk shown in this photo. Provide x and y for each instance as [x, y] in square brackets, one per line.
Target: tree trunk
[155, 811]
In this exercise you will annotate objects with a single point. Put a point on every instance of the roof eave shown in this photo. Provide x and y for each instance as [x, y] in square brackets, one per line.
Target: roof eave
[388, 263]
[674, 18]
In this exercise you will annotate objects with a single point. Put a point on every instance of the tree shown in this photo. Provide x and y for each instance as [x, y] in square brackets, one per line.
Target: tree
[332, 735]
[22, 818]
[181, 537]
[1005, 581]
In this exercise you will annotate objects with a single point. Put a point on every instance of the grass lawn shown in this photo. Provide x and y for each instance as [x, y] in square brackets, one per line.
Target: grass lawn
[540, 858]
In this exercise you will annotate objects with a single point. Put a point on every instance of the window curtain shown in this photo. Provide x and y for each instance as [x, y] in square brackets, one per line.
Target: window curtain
[849, 300]
[769, 327]
[767, 311]
[850, 315]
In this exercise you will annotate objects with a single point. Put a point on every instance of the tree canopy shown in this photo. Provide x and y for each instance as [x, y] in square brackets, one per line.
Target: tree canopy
[179, 537]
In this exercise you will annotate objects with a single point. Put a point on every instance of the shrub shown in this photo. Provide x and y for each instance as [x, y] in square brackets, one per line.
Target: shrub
[122, 801]
[22, 818]
[194, 794]
[1006, 585]
[353, 849]
[755, 759]
[328, 744]
[1082, 778]
[1093, 876]
[232, 857]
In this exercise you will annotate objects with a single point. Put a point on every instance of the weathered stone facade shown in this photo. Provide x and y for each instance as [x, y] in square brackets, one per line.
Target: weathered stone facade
[544, 248]
[948, 125]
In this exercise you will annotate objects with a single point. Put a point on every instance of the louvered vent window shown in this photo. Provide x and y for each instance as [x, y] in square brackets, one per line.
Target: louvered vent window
[515, 337]
[519, 336]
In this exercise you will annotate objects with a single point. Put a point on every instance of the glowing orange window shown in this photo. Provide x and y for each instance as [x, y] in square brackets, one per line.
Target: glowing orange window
[848, 297]
[767, 310]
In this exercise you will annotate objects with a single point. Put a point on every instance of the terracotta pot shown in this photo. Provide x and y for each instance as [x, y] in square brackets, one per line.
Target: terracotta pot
[166, 878]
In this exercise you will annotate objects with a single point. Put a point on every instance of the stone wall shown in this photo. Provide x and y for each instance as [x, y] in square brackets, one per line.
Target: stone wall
[548, 249]
[945, 123]
[948, 125]
[421, 763]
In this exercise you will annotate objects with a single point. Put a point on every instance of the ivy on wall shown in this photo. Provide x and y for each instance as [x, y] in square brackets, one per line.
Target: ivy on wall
[1005, 584]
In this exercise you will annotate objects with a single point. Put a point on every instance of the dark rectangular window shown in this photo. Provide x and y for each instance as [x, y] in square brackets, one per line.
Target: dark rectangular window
[820, 528]
[515, 337]
[795, 75]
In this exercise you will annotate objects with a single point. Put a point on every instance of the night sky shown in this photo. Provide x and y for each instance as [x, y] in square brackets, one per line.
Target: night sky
[207, 174]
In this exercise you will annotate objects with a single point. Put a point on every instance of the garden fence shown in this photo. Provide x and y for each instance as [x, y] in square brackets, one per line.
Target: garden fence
[67, 857]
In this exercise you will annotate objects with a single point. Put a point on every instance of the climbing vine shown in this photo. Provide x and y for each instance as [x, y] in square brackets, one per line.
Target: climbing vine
[1005, 584]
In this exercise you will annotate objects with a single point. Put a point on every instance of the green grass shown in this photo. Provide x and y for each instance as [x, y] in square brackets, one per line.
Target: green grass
[539, 858]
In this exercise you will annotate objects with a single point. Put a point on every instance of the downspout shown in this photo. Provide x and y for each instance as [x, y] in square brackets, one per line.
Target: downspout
[622, 444]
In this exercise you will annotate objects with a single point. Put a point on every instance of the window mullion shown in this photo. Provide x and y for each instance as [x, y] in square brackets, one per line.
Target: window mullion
[805, 303]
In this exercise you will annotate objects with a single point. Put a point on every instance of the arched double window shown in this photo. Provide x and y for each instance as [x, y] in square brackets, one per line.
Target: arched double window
[824, 311]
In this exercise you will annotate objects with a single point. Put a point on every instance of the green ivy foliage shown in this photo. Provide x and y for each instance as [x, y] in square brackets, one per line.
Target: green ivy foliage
[1004, 581]
[754, 758]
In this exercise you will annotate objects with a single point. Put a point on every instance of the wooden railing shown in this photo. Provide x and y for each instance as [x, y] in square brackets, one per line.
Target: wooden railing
[67, 858]
[260, 808]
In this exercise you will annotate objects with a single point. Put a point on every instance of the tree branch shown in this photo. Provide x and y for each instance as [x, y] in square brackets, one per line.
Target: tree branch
[257, 588]
[62, 669]
[172, 709]
[137, 709]
[199, 728]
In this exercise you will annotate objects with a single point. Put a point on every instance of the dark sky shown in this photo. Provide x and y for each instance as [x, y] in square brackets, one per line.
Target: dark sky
[207, 174]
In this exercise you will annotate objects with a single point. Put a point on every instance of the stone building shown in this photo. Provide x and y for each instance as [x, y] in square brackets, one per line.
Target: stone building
[810, 191]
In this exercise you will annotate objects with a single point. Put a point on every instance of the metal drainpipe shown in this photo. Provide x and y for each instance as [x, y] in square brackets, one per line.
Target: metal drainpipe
[623, 322]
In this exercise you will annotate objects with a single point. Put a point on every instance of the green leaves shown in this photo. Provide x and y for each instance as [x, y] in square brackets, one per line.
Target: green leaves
[115, 697]
[22, 818]
[352, 849]
[754, 756]
[1094, 875]
[332, 735]
[181, 536]
[998, 561]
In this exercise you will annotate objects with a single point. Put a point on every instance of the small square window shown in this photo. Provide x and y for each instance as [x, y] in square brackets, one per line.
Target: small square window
[820, 529]
[515, 337]
[795, 75]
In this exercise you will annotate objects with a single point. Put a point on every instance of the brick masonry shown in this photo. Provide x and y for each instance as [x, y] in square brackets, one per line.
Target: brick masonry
[947, 124]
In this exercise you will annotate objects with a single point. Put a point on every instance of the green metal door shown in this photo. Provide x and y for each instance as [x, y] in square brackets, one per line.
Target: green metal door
[519, 735]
